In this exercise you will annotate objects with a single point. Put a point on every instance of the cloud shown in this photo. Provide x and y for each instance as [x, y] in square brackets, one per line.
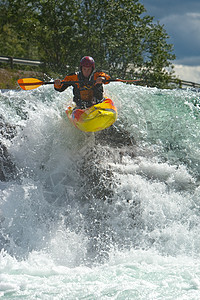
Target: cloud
[188, 60]
[186, 23]
[181, 19]
[160, 9]
[184, 32]
[188, 73]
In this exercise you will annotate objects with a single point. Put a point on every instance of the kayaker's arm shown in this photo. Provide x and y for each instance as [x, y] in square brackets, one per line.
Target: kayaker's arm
[59, 86]
[99, 80]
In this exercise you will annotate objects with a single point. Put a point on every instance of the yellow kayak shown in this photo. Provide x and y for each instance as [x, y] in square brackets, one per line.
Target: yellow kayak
[94, 118]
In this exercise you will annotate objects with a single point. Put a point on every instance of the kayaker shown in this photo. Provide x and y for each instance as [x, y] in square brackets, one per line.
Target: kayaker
[89, 90]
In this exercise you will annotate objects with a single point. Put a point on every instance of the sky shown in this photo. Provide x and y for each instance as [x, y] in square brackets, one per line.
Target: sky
[181, 20]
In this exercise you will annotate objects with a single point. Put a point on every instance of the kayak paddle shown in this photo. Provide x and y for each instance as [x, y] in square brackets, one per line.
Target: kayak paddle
[33, 83]
[121, 80]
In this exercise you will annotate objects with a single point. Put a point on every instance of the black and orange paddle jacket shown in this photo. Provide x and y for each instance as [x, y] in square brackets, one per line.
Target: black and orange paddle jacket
[86, 93]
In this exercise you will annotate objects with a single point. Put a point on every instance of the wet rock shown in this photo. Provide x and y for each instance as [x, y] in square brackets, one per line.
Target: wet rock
[6, 130]
[115, 137]
[7, 167]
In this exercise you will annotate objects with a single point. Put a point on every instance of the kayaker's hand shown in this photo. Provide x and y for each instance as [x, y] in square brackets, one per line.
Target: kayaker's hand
[99, 80]
[57, 83]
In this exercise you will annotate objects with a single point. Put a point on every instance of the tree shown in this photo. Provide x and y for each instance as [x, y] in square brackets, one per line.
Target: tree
[17, 23]
[123, 40]
[55, 31]
[158, 56]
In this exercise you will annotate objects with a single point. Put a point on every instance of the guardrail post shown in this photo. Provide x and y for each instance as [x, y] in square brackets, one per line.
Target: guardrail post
[11, 62]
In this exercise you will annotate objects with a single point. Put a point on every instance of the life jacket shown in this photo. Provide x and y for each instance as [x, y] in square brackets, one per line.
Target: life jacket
[86, 85]
[85, 90]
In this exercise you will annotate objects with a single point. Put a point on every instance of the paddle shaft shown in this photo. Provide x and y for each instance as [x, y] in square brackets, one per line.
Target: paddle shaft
[44, 83]
[34, 84]
[104, 81]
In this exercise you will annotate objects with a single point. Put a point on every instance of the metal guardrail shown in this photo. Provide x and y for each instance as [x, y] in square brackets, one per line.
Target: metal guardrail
[182, 83]
[11, 60]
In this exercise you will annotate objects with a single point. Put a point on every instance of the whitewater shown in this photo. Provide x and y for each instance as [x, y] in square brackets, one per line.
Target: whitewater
[110, 215]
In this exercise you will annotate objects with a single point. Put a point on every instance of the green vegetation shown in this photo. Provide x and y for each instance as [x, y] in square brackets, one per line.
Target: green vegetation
[9, 77]
[124, 41]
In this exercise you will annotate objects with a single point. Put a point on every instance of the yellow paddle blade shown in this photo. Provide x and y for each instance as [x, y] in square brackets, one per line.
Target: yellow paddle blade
[29, 83]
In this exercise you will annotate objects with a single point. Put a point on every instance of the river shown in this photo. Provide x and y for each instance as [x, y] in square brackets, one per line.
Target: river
[110, 215]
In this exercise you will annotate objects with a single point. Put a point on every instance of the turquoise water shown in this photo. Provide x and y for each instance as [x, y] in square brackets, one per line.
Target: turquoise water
[92, 216]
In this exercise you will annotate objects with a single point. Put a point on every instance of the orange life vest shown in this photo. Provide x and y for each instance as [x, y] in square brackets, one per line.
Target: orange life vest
[85, 90]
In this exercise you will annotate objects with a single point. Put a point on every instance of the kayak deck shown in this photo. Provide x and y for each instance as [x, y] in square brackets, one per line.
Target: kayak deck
[94, 118]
